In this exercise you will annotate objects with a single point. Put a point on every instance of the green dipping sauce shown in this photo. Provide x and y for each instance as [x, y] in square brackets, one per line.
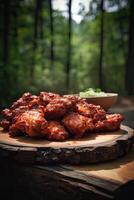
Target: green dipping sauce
[90, 92]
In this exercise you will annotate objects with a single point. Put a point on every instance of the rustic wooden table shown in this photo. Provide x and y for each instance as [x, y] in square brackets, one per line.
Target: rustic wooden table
[104, 181]
[111, 180]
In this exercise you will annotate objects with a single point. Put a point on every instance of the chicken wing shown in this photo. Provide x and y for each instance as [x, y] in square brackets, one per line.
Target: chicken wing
[54, 111]
[27, 99]
[26, 102]
[68, 103]
[73, 98]
[32, 114]
[22, 101]
[92, 111]
[55, 131]
[5, 124]
[111, 123]
[77, 124]
[46, 97]
[31, 122]
[58, 107]
[7, 114]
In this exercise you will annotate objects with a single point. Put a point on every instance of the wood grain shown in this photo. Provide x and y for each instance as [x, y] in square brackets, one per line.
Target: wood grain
[57, 182]
[94, 148]
[121, 170]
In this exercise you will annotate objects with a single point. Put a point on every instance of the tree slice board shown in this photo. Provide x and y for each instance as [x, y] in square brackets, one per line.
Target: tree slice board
[96, 147]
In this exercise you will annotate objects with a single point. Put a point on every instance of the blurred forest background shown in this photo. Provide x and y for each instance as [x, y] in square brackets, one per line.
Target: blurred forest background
[66, 46]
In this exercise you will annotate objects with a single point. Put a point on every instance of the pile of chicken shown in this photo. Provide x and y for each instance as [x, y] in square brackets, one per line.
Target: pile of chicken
[56, 117]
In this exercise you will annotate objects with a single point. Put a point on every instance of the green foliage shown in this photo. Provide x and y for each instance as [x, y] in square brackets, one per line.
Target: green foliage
[15, 75]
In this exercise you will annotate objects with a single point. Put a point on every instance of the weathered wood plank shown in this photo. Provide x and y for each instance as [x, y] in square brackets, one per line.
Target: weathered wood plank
[96, 148]
[30, 182]
[102, 184]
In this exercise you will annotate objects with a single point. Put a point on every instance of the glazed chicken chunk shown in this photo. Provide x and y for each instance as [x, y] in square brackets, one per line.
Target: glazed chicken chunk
[92, 111]
[56, 117]
[31, 122]
[111, 123]
[73, 98]
[77, 124]
[7, 113]
[46, 97]
[55, 131]
[23, 101]
[58, 107]
[55, 110]
[68, 103]
[5, 124]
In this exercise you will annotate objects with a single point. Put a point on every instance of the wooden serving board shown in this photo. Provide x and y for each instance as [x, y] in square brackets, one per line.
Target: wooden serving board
[93, 148]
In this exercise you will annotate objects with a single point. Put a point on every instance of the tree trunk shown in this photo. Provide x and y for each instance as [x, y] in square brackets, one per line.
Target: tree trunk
[17, 66]
[5, 71]
[41, 20]
[6, 32]
[35, 35]
[121, 30]
[101, 82]
[16, 9]
[129, 75]
[68, 62]
[52, 34]
[41, 34]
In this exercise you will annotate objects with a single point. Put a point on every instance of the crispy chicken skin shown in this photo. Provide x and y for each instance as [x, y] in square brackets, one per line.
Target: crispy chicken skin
[5, 124]
[77, 124]
[92, 111]
[58, 107]
[111, 123]
[55, 131]
[46, 97]
[55, 111]
[73, 98]
[64, 101]
[23, 101]
[27, 100]
[56, 117]
[31, 122]
[7, 113]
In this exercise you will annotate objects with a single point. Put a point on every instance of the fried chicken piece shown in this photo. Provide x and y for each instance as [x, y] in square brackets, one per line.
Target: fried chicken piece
[27, 99]
[74, 98]
[8, 117]
[55, 131]
[11, 115]
[26, 102]
[17, 111]
[78, 124]
[5, 124]
[64, 101]
[22, 101]
[7, 113]
[92, 111]
[31, 122]
[34, 102]
[55, 111]
[111, 123]
[58, 107]
[46, 97]
[26, 115]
